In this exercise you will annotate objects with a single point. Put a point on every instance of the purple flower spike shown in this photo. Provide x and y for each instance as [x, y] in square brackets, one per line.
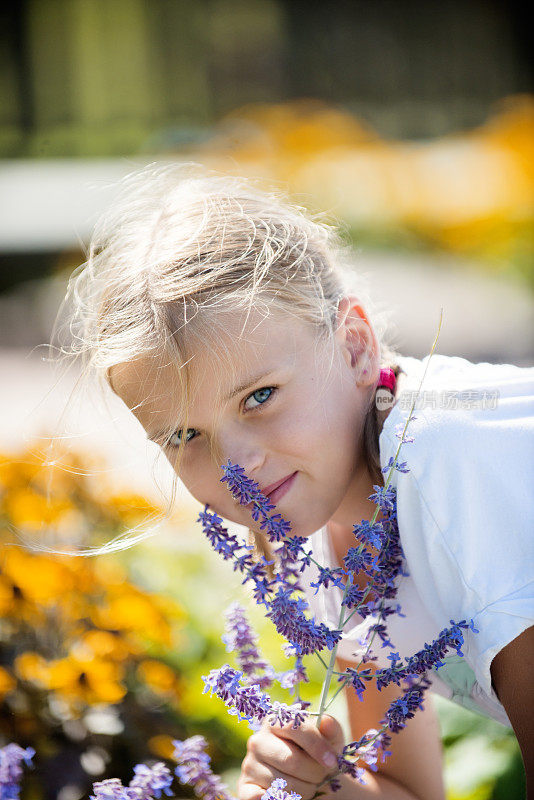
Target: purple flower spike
[112, 789]
[371, 534]
[384, 496]
[281, 714]
[405, 706]
[194, 769]
[356, 679]
[276, 791]
[402, 467]
[288, 617]
[10, 769]
[289, 679]
[241, 638]
[247, 491]
[351, 768]
[247, 702]
[151, 781]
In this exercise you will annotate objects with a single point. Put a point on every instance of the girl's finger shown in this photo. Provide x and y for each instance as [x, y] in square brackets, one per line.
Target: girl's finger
[311, 740]
[249, 791]
[286, 757]
[258, 774]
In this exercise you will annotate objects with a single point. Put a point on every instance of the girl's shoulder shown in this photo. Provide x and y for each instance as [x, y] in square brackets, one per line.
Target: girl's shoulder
[454, 399]
[465, 505]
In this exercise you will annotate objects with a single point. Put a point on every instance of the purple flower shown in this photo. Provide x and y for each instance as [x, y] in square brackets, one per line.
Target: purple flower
[194, 769]
[290, 621]
[251, 704]
[370, 534]
[247, 491]
[384, 497]
[380, 629]
[402, 467]
[399, 429]
[247, 702]
[305, 636]
[241, 638]
[281, 714]
[430, 657]
[221, 541]
[335, 784]
[327, 575]
[357, 559]
[10, 769]
[112, 789]
[351, 768]
[353, 597]
[276, 791]
[289, 679]
[151, 781]
[356, 679]
[405, 706]
[369, 748]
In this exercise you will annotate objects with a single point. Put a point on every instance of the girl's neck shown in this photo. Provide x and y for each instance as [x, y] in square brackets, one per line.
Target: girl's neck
[340, 529]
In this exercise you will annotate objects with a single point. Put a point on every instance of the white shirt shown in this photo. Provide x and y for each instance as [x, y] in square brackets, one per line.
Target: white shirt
[466, 521]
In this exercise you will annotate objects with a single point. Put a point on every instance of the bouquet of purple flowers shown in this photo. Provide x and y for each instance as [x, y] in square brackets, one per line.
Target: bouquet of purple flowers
[377, 553]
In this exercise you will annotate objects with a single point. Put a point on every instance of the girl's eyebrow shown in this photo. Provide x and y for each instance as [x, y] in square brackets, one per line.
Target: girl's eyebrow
[246, 384]
[249, 382]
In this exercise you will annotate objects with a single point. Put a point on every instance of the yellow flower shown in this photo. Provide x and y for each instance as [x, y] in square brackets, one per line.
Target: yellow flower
[132, 611]
[91, 680]
[104, 644]
[157, 676]
[30, 510]
[32, 667]
[7, 683]
[37, 579]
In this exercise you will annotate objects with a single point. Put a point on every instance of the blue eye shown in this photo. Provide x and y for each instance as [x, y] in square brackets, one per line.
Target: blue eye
[262, 397]
[175, 438]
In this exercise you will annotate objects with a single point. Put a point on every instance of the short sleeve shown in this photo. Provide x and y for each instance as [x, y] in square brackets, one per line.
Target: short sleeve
[466, 520]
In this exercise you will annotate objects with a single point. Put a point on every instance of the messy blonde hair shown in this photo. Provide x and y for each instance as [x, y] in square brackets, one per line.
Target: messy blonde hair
[179, 247]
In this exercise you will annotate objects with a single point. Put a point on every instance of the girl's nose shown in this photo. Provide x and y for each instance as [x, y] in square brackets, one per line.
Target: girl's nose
[245, 450]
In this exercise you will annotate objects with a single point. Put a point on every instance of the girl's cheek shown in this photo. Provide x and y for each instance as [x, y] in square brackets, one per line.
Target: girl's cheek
[201, 480]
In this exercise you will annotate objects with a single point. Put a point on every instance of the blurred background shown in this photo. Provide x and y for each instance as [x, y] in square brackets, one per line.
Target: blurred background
[412, 125]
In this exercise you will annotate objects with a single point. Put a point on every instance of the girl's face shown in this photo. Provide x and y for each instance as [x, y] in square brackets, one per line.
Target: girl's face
[278, 412]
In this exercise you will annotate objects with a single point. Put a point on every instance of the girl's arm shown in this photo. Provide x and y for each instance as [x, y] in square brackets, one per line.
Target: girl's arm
[512, 674]
[415, 769]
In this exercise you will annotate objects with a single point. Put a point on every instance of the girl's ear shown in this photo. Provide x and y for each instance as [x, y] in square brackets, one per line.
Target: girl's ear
[357, 339]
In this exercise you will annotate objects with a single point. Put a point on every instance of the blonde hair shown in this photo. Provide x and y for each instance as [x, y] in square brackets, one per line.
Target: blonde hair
[180, 247]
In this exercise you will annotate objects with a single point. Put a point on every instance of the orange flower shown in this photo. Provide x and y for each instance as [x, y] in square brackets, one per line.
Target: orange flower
[162, 746]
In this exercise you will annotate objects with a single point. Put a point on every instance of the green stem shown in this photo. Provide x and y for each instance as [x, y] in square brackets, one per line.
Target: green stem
[321, 659]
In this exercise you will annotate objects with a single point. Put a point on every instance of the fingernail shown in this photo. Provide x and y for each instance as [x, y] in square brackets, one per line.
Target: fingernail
[329, 760]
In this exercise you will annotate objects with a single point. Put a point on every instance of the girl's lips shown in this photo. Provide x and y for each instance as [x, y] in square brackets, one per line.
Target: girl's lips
[281, 490]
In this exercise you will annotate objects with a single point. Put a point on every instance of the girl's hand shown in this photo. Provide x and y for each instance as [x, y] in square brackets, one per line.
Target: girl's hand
[303, 757]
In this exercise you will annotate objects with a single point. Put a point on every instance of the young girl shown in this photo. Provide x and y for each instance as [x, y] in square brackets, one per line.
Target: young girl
[222, 317]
